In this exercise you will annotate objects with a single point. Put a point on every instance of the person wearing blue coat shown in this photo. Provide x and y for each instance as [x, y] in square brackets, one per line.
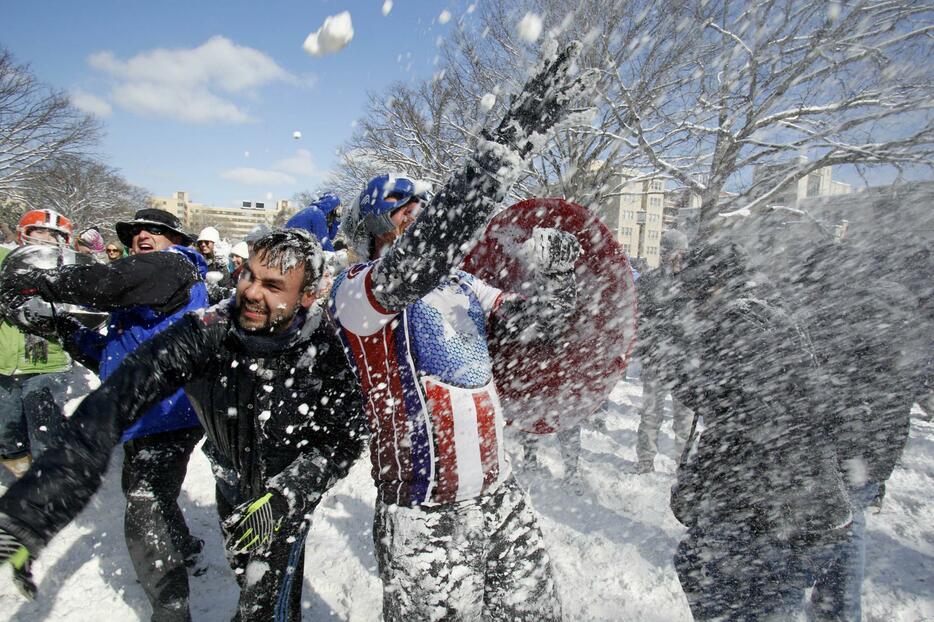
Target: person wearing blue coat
[144, 293]
[321, 218]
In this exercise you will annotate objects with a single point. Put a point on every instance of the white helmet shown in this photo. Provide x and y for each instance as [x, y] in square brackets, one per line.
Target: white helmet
[209, 234]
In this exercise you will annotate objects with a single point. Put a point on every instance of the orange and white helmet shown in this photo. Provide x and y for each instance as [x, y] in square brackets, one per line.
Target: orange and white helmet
[43, 219]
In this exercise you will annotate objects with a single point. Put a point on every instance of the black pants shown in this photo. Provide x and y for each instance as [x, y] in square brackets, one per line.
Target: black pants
[156, 534]
[270, 579]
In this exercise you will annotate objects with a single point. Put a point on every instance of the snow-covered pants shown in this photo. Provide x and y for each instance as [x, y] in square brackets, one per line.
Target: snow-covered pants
[156, 533]
[733, 572]
[482, 559]
[270, 578]
[839, 580]
[30, 412]
[652, 414]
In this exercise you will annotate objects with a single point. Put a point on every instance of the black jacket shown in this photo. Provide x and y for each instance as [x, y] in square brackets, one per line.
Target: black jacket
[873, 344]
[658, 297]
[765, 457]
[284, 411]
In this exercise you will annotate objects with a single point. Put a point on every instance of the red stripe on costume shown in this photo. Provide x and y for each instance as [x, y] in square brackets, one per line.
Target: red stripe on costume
[486, 430]
[370, 356]
[368, 288]
[396, 411]
[442, 417]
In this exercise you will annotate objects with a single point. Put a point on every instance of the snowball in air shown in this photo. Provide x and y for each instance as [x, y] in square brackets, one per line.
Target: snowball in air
[296, 134]
[445, 17]
[387, 7]
[487, 101]
[333, 36]
[530, 27]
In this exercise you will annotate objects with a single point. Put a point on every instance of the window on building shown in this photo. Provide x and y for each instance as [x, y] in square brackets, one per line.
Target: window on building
[246, 204]
[260, 206]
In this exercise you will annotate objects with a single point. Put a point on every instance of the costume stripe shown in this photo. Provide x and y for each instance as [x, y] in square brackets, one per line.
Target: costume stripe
[367, 380]
[502, 458]
[467, 444]
[442, 416]
[394, 402]
[486, 429]
[422, 449]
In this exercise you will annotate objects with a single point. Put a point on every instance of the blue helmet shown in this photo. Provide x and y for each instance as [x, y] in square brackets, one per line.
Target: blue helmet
[383, 195]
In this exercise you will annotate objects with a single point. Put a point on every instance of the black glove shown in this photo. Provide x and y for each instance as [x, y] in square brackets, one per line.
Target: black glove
[17, 287]
[15, 552]
[254, 524]
[543, 102]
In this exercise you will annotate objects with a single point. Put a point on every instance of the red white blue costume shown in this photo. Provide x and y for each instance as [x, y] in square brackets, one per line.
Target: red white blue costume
[435, 417]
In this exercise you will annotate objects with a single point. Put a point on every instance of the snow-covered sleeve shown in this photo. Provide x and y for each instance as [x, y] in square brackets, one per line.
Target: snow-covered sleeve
[353, 304]
[490, 297]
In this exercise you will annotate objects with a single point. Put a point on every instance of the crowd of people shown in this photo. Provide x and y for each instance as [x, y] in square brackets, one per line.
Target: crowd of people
[353, 328]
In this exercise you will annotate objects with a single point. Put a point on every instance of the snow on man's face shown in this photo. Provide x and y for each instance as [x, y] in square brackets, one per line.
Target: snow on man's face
[267, 298]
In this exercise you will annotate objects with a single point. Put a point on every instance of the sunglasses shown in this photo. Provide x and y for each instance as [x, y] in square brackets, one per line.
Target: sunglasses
[153, 229]
[113, 251]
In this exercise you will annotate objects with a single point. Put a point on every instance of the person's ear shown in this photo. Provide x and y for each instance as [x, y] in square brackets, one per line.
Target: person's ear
[308, 297]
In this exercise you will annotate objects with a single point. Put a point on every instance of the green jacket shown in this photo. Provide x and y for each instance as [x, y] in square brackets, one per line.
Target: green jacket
[13, 359]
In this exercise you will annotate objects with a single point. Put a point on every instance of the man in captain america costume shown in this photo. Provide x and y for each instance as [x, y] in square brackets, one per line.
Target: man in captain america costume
[455, 536]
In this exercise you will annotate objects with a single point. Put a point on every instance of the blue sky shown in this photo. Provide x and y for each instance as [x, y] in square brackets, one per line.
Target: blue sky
[205, 96]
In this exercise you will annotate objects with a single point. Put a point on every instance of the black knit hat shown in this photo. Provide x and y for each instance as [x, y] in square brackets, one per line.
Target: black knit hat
[151, 216]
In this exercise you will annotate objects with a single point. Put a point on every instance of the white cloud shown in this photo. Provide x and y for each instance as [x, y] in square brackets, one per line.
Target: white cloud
[300, 164]
[445, 17]
[387, 7]
[333, 36]
[285, 172]
[258, 177]
[196, 105]
[191, 84]
[92, 104]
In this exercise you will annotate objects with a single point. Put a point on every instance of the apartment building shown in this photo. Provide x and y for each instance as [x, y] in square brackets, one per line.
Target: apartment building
[819, 183]
[635, 216]
[233, 223]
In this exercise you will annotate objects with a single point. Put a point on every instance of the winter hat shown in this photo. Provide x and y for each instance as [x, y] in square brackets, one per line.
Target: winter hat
[209, 234]
[93, 239]
[715, 265]
[240, 250]
[672, 241]
[327, 202]
[151, 216]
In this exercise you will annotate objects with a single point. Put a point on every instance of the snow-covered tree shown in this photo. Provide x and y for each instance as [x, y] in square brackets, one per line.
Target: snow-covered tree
[37, 125]
[87, 191]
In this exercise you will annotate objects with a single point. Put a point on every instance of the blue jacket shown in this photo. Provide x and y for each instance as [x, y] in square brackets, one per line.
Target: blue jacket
[128, 328]
[314, 219]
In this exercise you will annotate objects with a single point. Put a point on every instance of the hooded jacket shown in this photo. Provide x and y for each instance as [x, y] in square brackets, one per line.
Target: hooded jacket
[766, 456]
[282, 410]
[314, 218]
[145, 294]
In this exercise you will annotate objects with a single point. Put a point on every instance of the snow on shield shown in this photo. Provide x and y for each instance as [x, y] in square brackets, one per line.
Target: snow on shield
[548, 386]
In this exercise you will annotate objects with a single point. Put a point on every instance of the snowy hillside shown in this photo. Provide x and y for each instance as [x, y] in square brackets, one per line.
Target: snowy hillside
[611, 536]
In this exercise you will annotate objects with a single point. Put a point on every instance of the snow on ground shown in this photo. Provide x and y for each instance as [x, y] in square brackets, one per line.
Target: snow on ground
[611, 535]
